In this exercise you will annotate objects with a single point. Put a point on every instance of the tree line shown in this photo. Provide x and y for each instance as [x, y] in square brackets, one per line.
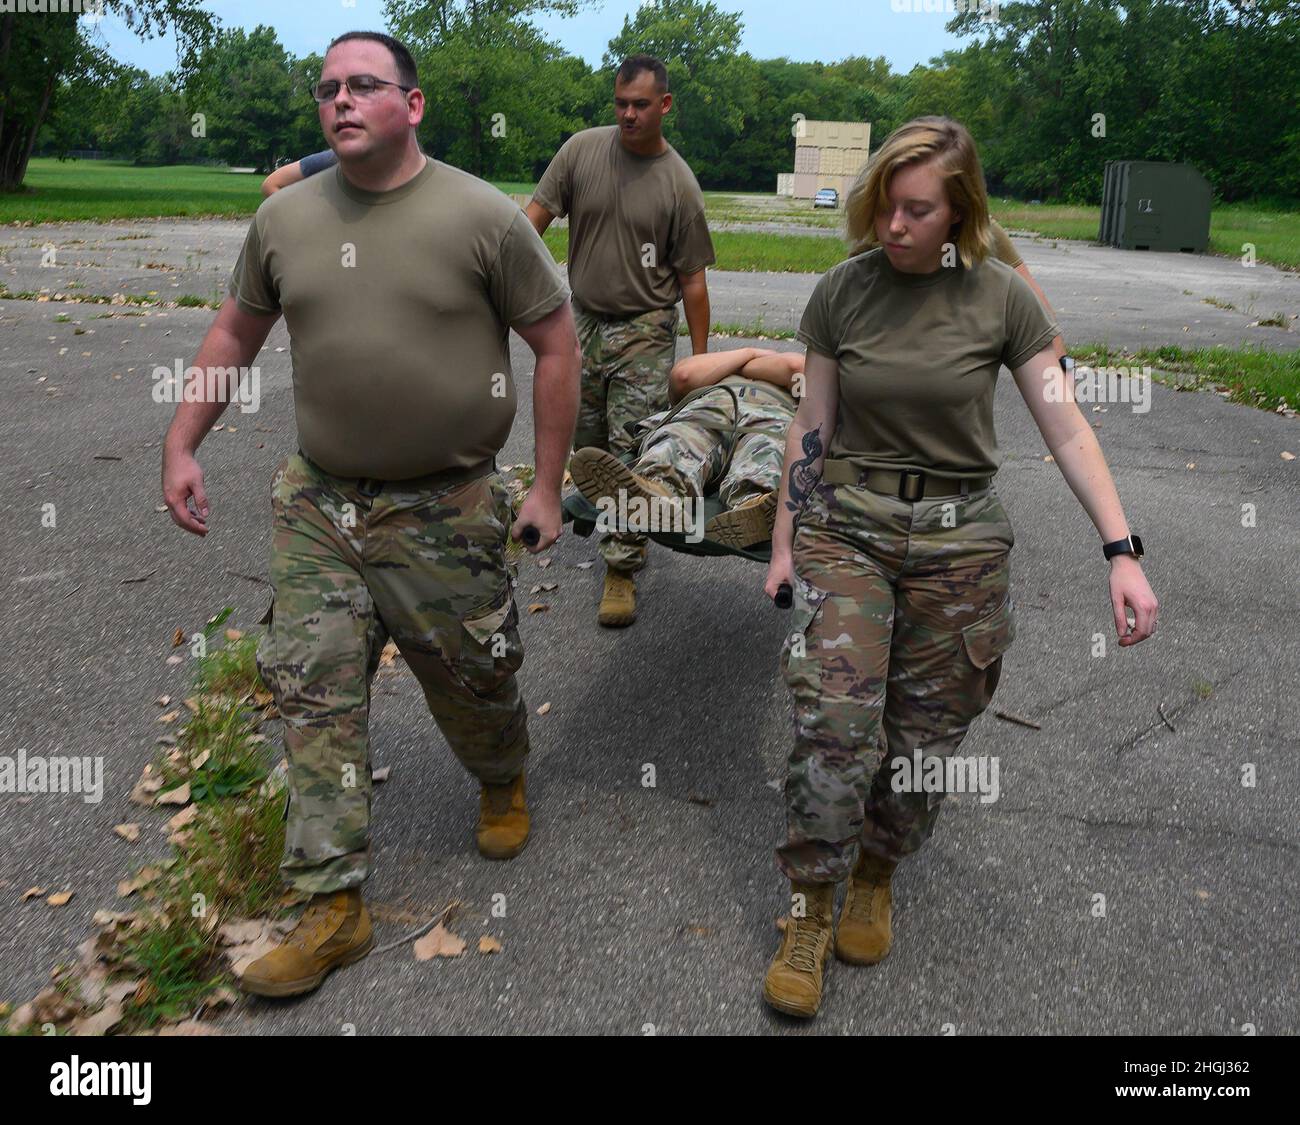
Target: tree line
[1051, 90]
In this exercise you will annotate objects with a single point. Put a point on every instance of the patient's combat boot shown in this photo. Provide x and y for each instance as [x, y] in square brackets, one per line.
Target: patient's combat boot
[333, 931]
[599, 475]
[794, 979]
[749, 522]
[865, 932]
[618, 602]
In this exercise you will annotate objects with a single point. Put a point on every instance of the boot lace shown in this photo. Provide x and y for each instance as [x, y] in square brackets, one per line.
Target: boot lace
[314, 926]
[807, 942]
[867, 903]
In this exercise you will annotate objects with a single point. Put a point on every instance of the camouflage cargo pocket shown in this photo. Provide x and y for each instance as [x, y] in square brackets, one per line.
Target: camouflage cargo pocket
[490, 649]
[985, 641]
[798, 661]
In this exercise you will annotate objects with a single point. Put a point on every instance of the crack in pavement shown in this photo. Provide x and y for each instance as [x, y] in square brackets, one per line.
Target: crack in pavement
[1267, 841]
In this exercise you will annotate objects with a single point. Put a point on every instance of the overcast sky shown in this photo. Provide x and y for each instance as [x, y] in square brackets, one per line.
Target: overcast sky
[820, 30]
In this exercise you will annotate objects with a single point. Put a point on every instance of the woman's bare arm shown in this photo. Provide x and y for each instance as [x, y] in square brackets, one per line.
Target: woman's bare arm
[805, 454]
[1074, 447]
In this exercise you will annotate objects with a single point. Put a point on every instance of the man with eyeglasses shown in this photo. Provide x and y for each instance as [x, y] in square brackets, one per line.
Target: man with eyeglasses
[399, 278]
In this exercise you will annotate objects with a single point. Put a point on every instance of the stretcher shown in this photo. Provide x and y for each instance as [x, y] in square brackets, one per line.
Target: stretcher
[579, 511]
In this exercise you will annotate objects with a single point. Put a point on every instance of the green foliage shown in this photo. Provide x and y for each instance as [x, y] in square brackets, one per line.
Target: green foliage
[1210, 82]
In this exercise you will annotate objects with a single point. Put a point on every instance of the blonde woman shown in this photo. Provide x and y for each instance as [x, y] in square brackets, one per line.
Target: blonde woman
[894, 539]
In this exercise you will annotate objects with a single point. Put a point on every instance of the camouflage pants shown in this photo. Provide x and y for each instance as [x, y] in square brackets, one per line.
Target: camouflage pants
[426, 567]
[902, 612]
[689, 454]
[625, 368]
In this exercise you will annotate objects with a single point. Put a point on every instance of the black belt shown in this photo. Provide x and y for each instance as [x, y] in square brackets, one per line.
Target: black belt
[906, 484]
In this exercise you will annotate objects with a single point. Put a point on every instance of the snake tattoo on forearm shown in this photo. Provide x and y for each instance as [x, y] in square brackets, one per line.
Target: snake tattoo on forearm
[803, 477]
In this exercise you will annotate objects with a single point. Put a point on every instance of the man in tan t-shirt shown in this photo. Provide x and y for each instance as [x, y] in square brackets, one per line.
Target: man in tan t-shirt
[399, 278]
[638, 241]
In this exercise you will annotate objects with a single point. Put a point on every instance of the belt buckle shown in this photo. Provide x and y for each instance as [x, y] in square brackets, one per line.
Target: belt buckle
[369, 487]
[911, 485]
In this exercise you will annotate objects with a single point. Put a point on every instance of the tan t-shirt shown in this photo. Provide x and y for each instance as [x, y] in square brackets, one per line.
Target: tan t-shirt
[401, 361]
[1004, 249]
[634, 222]
[919, 356]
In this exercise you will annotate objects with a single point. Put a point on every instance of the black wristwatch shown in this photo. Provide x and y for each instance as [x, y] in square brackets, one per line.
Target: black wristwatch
[1129, 546]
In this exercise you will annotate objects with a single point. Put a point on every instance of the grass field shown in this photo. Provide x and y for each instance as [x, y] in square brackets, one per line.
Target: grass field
[104, 189]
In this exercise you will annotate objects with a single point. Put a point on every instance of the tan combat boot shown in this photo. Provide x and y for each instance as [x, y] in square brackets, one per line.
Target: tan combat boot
[599, 475]
[865, 932]
[333, 931]
[618, 602]
[794, 979]
[503, 823]
[749, 522]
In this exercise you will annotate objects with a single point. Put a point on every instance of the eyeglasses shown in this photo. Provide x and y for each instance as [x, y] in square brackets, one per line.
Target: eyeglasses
[361, 85]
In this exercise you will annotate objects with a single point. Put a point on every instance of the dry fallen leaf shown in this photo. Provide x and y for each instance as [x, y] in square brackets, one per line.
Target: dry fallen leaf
[32, 892]
[389, 655]
[145, 876]
[488, 944]
[381, 774]
[438, 942]
[101, 1023]
[544, 708]
[146, 788]
[1049, 457]
[129, 832]
[242, 932]
[544, 563]
[1288, 456]
[182, 818]
[60, 898]
[175, 659]
[538, 607]
[178, 637]
[169, 716]
[178, 796]
[163, 700]
[196, 762]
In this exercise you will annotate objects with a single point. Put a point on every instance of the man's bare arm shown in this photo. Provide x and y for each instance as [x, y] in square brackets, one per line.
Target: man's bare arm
[697, 371]
[554, 342]
[282, 177]
[695, 300]
[233, 341]
[539, 216]
[777, 368]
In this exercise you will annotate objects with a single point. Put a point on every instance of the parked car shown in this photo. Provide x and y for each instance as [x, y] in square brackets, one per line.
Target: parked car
[827, 197]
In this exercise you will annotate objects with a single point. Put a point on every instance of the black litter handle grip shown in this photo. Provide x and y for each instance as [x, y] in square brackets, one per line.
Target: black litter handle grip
[784, 596]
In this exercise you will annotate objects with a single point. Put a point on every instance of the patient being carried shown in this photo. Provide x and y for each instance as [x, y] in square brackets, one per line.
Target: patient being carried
[728, 436]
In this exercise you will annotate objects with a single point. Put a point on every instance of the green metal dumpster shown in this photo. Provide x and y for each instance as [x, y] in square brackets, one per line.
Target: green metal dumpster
[1153, 205]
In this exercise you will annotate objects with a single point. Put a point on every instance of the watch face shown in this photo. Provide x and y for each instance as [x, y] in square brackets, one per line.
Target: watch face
[1137, 546]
